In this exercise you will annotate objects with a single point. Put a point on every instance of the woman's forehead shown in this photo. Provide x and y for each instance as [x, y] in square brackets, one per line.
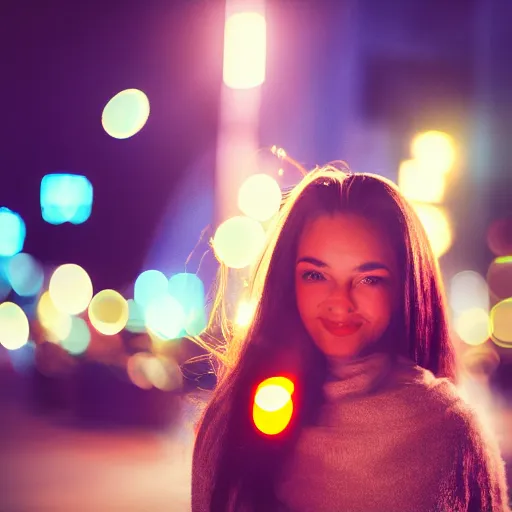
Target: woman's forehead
[332, 236]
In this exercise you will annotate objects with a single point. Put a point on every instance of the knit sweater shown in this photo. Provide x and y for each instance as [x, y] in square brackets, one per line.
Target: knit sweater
[393, 438]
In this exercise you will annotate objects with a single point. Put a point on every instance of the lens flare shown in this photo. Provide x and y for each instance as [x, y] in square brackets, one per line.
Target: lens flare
[273, 405]
[238, 241]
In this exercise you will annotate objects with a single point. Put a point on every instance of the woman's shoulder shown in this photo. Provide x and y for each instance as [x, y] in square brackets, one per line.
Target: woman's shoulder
[434, 397]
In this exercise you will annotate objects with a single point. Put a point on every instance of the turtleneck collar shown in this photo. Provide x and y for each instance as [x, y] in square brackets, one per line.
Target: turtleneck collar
[356, 376]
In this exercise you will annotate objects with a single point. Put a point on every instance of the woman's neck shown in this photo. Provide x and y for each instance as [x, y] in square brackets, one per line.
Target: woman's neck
[358, 375]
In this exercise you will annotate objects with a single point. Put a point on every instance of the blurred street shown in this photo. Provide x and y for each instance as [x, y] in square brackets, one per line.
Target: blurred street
[48, 465]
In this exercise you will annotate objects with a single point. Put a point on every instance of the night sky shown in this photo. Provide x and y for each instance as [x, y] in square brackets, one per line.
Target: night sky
[61, 63]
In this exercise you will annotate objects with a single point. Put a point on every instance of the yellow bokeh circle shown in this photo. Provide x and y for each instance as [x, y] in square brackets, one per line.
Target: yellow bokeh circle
[70, 289]
[108, 312]
[501, 323]
[239, 241]
[259, 197]
[14, 328]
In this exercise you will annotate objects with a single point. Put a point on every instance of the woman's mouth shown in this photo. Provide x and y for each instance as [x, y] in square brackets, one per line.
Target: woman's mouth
[340, 328]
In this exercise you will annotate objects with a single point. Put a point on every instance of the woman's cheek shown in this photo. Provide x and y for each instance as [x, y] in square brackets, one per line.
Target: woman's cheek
[309, 298]
[375, 297]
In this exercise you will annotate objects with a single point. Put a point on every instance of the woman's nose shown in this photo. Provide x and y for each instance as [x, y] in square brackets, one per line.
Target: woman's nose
[339, 304]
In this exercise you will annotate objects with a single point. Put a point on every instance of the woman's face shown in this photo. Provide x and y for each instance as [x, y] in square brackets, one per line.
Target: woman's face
[346, 283]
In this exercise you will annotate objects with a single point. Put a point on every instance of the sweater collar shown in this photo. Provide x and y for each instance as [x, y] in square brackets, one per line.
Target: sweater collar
[357, 376]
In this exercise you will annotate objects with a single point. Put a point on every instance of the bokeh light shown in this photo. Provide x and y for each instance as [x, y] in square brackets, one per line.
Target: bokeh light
[239, 241]
[437, 226]
[79, 337]
[108, 312]
[164, 374]
[136, 322]
[244, 313]
[14, 327]
[12, 232]
[25, 275]
[245, 48]
[165, 318]
[70, 288]
[196, 322]
[499, 277]
[66, 198]
[56, 323]
[150, 285]
[481, 359]
[125, 114]
[107, 349]
[501, 323]
[499, 237]
[472, 326]
[5, 285]
[259, 197]
[188, 290]
[135, 368]
[419, 184]
[23, 358]
[468, 290]
[273, 405]
[435, 150]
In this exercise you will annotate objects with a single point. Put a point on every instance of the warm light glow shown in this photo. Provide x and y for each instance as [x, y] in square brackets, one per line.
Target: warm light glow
[259, 197]
[499, 236]
[499, 278]
[108, 312]
[136, 371]
[70, 289]
[146, 371]
[56, 323]
[435, 150]
[437, 226]
[468, 290]
[501, 323]
[125, 114]
[273, 405]
[244, 313]
[472, 326]
[244, 50]
[239, 241]
[14, 328]
[419, 184]
[162, 373]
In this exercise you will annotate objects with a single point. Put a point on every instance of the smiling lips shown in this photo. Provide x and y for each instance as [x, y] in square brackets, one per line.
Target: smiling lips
[341, 328]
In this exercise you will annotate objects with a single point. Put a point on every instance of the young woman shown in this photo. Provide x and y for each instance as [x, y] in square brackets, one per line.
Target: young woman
[349, 302]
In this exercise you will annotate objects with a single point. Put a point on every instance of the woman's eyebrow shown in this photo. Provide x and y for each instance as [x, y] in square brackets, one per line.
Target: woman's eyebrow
[364, 267]
[371, 265]
[313, 261]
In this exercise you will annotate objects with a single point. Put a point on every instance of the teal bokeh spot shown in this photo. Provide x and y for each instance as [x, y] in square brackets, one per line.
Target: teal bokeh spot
[12, 232]
[66, 198]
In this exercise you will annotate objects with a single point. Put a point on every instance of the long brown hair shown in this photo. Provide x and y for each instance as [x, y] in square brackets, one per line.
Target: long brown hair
[234, 467]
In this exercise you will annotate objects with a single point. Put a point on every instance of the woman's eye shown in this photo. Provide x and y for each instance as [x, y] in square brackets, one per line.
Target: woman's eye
[372, 280]
[312, 275]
